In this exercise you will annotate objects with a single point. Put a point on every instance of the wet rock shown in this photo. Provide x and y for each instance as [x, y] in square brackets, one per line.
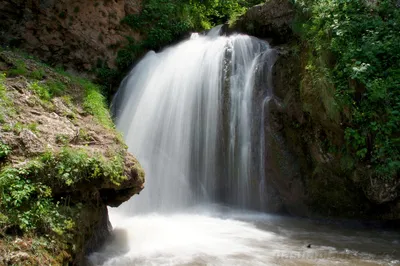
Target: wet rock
[311, 180]
[377, 190]
[271, 20]
[101, 230]
[114, 195]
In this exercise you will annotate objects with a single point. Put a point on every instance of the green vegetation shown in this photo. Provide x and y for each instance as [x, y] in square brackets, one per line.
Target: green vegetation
[37, 206]
[5, 102]
[55, 87]
[67, 87]
[95, 103]
[38, 74]
[163, 22]
[26, 192]
[41, 91]
[353, 66]
[33, 127]
[62, 139]
[29, 206]
[18, 69]
[4, 150]
[48, 198]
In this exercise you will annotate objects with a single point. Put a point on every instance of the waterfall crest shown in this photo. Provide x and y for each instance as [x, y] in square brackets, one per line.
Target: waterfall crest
[192, 115]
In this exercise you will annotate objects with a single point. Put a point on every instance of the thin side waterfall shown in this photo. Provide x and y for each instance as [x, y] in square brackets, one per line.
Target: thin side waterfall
[188, 114]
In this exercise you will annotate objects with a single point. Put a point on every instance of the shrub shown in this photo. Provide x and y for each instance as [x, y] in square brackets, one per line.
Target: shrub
[363, 41]
[4, 150]
[26, 192]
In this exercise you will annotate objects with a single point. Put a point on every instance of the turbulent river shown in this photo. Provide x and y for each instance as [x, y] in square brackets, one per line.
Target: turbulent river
[194, 116]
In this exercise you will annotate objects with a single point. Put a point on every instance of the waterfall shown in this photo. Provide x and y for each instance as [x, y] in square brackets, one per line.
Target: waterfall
[197, 116]
[192, 115]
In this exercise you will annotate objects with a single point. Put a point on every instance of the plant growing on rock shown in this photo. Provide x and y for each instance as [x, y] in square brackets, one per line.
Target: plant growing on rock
[4, 150]
[358, 43]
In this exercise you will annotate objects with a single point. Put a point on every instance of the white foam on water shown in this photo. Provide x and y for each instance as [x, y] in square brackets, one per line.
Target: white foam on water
[187, 239]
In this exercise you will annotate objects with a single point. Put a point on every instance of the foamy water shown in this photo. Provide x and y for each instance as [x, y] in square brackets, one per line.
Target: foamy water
[236, 238]
[194, 116]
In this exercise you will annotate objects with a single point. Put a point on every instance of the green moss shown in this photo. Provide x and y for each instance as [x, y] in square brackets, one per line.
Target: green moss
[68, 87]
[5, 102]
[95, 103]
[335, 196]
[317, 90]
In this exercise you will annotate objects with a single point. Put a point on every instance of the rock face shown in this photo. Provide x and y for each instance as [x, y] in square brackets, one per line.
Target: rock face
[32, 125]
[77, 34]
[312, 180]
[271, 20]
[304, 176]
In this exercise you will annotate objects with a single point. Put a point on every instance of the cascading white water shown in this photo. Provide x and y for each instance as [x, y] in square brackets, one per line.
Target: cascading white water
[186, 114]
[194, 115]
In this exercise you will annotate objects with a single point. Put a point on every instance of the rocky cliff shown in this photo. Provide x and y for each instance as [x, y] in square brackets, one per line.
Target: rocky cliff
[80, 35]
[309, 171]
[61, 164]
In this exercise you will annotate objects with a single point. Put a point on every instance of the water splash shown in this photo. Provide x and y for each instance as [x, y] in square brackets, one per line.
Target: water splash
[195, 116]
[187, 113]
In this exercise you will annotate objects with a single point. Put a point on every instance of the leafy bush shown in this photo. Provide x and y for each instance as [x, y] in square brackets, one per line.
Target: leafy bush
[4, 150]
[362, 38]
[163, 21]
[26, 192]
[27, 204]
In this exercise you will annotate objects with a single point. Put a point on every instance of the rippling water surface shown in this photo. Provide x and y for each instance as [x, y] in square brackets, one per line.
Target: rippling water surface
[195, 116]
[227, 237]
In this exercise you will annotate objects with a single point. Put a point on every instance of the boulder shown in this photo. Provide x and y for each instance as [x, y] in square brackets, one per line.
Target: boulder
[271, 20]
